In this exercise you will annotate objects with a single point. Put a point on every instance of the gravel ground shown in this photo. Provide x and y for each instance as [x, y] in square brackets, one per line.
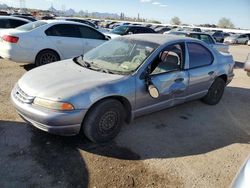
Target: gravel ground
[191, 145]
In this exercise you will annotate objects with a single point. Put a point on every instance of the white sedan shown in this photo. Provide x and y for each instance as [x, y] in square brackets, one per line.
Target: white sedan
[43, 42]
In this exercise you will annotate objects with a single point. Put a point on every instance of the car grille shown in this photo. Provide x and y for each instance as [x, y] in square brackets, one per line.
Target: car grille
[21, 96]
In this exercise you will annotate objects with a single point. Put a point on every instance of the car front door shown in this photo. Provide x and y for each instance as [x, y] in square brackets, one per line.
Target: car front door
[166, 73]
[91, 38]
[202, 69]
[67, 39]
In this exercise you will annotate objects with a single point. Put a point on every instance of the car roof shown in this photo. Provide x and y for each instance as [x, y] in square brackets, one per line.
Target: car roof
[190, 32]
[159, 38]
[67, 18]
[64, 22]
[140, 26]
[14, 18]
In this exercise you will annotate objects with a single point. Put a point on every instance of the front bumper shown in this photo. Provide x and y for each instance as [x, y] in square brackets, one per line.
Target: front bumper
[52, 121]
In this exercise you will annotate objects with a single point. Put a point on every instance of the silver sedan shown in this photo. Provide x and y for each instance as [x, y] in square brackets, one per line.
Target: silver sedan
[124, 78]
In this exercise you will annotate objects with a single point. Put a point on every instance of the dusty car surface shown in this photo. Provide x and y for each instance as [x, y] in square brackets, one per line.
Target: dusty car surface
[118, 81]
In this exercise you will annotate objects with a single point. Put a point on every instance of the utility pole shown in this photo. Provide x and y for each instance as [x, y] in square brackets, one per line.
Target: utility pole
[22, 6]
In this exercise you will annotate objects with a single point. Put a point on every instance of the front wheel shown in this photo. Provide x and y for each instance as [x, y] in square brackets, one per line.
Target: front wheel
[215, 92]
[104, 121]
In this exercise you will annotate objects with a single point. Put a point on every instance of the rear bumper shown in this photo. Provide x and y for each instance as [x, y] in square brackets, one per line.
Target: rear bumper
[55, 122]
[15, 53]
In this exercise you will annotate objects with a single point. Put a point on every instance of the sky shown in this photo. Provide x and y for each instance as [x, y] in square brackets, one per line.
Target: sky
[189, 11]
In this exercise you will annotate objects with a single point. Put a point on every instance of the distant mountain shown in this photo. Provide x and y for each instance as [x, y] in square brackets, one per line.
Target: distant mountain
[3, 6]
[52, 9]
[72, 12]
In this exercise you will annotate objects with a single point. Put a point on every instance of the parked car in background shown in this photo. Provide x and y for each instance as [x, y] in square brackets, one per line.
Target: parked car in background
[9, 22]
[30, 18]
[205, 38]
[122, 79]
[162, 29]
[43, 42]
[237, 39]
[218, 36]
[89, 23]
[131, 29]
[47, 18]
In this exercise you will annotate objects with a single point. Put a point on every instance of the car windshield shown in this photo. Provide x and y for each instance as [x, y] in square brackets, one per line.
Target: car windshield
[31, 26]
[120, 30]
[118, 56]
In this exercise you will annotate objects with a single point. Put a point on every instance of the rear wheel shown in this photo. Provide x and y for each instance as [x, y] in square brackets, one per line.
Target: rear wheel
[215, 92]
[45, 57]
[104, 121]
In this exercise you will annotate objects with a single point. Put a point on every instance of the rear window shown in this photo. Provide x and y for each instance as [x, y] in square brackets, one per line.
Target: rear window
[31, 26]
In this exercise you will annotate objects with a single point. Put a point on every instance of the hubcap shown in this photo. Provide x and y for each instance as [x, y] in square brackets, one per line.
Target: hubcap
[108, 122]
[48, 58]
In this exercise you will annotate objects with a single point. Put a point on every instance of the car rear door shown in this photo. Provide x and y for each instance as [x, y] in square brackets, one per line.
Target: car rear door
[67, 39]
[201, 68]
[168, 76]
[90, 37]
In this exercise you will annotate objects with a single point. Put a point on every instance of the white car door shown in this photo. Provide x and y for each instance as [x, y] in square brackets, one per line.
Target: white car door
[91, 38]
[67, 39]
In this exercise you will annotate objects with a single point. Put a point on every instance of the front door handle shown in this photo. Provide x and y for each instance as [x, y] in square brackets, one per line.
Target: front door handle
[179, 80]
[210, 73]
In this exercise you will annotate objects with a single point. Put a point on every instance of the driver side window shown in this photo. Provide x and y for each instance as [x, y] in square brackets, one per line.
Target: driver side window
[168, 60]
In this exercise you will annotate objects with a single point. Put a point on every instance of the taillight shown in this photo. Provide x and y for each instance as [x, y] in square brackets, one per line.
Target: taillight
[10, 39]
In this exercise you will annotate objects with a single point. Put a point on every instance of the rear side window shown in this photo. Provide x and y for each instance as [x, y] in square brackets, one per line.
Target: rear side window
[199, 55]
[64, 30]
[31, 26]
[4, 23]
[16, 23]
[87, 32]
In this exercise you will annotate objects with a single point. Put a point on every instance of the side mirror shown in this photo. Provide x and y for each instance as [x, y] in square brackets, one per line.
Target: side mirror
[153, 91]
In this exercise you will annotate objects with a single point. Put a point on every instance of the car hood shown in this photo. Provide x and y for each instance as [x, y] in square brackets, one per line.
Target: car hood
[63, 79]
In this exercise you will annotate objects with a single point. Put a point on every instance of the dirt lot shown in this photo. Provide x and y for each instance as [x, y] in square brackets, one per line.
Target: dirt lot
[191, 145]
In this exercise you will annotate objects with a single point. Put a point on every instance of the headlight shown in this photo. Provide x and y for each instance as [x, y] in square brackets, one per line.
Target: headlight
[64, 106]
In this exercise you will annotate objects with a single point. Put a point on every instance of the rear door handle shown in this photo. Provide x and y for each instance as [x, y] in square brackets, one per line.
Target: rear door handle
[211, 73]
[179, 80]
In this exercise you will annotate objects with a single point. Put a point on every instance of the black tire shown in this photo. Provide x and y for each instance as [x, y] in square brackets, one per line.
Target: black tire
[104, 121]
[46, 56]
[215, 92]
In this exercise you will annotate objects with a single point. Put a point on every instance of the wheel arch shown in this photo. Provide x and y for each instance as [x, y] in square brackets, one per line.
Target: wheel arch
[223, 77]
[50, 50]
[124, 101]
